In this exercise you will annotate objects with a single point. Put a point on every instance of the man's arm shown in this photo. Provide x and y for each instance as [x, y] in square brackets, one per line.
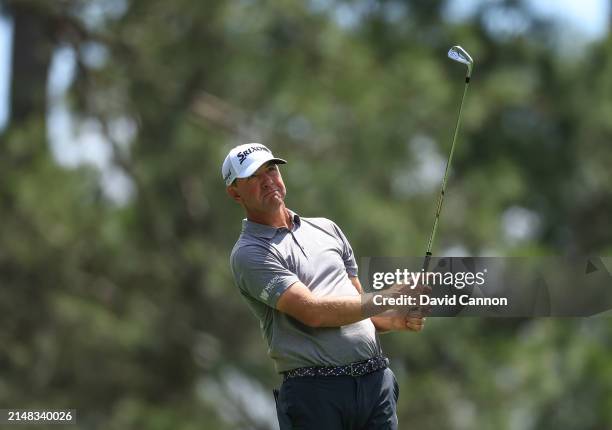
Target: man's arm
[299, 302]
[314, 311]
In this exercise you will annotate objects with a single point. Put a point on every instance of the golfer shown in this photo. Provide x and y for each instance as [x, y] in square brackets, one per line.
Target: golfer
[299, 277]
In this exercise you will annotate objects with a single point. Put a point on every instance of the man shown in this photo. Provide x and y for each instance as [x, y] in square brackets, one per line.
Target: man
[299, 276]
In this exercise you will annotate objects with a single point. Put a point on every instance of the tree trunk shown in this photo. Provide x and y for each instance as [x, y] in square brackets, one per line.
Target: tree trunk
[32, 49]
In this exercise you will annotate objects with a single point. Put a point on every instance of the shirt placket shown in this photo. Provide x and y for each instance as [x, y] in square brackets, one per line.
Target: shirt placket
[299, 244]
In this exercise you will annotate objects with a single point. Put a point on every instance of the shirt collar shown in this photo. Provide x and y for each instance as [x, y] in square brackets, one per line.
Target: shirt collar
[267, 231]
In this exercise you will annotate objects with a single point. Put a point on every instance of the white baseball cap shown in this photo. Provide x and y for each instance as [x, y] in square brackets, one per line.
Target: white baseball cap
[243, 160]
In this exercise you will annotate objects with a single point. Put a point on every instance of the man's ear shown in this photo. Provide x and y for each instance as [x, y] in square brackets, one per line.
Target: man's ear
[233, 193]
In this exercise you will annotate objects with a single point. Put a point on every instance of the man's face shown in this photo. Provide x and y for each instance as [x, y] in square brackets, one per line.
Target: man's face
[263, 191]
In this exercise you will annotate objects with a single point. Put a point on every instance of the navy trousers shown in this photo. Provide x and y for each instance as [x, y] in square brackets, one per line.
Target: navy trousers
[366, 402]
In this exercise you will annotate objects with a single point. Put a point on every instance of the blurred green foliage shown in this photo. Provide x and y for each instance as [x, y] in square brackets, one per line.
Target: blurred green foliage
[126, 311]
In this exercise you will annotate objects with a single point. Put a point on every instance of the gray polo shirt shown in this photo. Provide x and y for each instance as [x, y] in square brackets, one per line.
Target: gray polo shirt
[267, 260]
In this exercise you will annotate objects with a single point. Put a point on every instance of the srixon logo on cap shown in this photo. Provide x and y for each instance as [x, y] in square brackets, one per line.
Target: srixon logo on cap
[244, 154]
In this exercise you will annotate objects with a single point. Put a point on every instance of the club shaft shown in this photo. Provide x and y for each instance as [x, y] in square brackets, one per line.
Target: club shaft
[432, 236]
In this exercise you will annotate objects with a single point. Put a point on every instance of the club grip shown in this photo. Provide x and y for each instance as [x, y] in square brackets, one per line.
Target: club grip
[426, 261]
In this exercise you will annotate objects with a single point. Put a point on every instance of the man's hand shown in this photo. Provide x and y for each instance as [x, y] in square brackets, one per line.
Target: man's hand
[409, 318]
[406, 323]
[415, 323]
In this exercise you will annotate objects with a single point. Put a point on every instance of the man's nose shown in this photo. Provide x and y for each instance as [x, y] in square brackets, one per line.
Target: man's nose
[266, 179]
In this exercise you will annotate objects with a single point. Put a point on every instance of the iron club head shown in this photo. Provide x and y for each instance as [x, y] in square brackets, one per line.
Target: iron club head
[457, 53]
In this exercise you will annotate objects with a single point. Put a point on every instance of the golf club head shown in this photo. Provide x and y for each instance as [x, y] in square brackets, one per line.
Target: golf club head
[457, 53]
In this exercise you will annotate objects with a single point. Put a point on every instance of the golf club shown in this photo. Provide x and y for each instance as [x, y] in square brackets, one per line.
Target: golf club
[456, 53]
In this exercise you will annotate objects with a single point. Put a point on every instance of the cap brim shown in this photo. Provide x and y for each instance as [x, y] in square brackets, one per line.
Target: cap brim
[253, 167]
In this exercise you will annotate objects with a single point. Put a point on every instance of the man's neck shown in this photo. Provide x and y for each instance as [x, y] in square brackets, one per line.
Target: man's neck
[279, 218]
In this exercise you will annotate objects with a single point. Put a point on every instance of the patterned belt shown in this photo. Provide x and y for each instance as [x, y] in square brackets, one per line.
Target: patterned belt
[358, 368]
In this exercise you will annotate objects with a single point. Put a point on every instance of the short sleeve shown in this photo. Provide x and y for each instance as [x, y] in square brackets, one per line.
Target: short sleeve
[261, 274]
[347, 253]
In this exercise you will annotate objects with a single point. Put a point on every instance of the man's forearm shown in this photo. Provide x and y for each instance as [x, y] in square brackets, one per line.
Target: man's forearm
[337, 311]
[329, 311]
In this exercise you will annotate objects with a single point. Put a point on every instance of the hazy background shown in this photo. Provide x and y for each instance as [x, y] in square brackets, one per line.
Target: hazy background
[115, 292]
